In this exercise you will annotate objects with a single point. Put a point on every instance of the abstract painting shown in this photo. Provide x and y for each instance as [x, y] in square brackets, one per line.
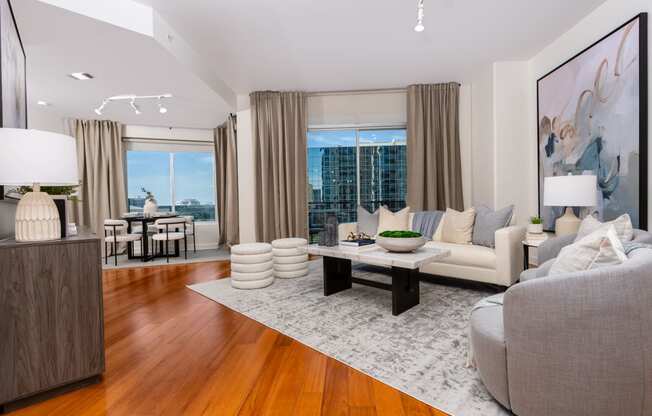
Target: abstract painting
[592, 120]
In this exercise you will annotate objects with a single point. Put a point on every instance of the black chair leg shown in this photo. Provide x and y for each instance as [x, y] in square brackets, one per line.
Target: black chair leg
[185, 247]
[194, 241]
[106, 253]
[115, 253]
[167, 251]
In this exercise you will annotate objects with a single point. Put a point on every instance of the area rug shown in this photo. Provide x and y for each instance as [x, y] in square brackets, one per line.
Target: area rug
[421, 352]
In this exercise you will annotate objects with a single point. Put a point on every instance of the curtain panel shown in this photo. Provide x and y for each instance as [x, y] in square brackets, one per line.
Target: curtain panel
[226, 169]
[434, 168]
[100, 159]
[279, 126]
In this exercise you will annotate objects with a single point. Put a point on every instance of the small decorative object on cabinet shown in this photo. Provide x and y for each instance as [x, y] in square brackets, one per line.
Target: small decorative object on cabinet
[535, 226]
[51, 331]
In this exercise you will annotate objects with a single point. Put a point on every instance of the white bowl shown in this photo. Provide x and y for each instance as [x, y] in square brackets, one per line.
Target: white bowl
[400, 245]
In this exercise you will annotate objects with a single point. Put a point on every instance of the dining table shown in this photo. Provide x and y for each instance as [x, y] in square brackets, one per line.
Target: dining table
[144, 220]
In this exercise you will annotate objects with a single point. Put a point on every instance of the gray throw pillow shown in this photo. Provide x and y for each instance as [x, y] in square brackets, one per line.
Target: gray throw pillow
[487, 222]
[367, 222]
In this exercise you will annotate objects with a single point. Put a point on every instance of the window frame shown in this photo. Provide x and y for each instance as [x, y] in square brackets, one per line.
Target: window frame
[357, 129]
[171, 147]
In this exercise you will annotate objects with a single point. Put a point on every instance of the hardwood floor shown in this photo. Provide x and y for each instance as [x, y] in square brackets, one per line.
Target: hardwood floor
[170, 351]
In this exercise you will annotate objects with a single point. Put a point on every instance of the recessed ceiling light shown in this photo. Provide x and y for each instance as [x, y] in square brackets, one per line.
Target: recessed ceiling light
[43, 103]
[81, 76]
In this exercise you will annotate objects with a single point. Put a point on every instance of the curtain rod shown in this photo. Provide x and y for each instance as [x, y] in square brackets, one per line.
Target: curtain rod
[168, 141]
[362, 92]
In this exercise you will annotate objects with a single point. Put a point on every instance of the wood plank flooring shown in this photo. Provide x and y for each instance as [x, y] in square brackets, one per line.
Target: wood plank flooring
[170, 351]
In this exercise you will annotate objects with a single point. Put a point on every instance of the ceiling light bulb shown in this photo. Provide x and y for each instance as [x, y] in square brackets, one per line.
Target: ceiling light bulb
[43, 103]
[419, 27]
[98, 111]
[134, 106]
[161, 109]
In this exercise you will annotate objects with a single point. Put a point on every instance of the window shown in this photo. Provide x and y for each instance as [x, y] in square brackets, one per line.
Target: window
[354, 166]
[181, 181]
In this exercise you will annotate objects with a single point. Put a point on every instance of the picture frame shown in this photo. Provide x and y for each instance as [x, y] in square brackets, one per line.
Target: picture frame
[592, 118]
[13, 73]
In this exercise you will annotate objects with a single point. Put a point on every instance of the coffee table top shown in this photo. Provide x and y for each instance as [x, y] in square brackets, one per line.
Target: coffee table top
[379, 256]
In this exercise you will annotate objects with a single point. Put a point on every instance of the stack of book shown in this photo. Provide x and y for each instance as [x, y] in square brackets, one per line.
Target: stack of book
[357, 244]
[536, 237]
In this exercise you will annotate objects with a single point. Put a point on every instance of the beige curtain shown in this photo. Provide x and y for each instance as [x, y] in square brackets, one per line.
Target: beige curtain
[434, 169]
[280, 146]
[226, 169]
[101, 171]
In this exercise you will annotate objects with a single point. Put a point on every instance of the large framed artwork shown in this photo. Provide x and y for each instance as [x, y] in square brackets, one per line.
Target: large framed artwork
[592, 120]
[13, 79]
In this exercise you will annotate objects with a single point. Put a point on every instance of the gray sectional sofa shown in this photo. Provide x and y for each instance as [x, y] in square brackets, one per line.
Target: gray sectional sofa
[576, 344]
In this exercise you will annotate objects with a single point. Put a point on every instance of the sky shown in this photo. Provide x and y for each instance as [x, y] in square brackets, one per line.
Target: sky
[194, 175]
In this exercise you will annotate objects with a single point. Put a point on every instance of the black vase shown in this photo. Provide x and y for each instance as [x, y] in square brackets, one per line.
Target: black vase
[61, 207]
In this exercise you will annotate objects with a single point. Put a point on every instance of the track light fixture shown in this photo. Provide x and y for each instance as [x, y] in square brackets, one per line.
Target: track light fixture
[132, 102]
[419, 27]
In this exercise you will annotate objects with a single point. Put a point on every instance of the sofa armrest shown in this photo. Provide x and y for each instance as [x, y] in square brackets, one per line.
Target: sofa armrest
[550, 248]
[343, 230]
[577, 341]
[509, 254]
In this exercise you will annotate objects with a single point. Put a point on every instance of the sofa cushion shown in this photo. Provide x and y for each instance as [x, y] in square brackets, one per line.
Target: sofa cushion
[367, 222]
[489, 351]
[458, 226]
[598, 249]
[393, 221]
[487, 222]
[466, 254]
[622, 224]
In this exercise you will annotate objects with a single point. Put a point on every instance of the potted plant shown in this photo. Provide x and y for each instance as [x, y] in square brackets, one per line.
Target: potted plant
[151, 206]
[400, 241]
[535, 226]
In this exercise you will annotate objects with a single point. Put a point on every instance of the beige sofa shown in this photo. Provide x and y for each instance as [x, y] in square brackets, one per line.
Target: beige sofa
[501, 266]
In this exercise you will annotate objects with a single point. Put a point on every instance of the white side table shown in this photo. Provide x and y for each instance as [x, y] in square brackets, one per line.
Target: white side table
[527, 243]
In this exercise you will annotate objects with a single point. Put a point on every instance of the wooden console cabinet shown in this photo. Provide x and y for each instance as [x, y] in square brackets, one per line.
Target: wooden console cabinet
[51, 316]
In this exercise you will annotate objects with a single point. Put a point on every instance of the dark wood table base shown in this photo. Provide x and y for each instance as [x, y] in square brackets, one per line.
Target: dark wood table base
[404, 286]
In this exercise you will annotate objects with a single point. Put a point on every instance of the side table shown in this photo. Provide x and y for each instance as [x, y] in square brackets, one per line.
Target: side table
[527, 243]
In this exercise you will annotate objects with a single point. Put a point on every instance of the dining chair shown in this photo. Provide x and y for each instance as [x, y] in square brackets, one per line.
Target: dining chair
[115, 232]
[168, 230]
[191, 230]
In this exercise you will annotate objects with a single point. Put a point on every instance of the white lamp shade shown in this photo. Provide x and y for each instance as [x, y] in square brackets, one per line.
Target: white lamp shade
[570, 191]
[33, 156]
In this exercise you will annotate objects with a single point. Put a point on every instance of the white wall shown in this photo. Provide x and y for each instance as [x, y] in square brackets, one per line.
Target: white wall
[44, 118]
[246, 190]
[482, 138]
[511, 169]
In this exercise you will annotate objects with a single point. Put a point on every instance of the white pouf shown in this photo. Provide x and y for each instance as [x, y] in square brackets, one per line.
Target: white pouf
[290, 257]
[252, 266]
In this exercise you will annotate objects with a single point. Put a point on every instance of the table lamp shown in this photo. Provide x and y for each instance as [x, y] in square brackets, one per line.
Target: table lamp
[569, 191]
[35, 158]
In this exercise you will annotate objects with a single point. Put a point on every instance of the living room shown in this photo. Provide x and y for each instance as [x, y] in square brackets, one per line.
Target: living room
[204, 205]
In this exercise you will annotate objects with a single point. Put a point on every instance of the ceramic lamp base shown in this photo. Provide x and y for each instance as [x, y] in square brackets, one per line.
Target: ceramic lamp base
[37, 218]
[567, 223]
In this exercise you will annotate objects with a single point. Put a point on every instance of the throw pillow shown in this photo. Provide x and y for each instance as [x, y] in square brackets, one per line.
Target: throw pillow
[598, 249]
[426, 223]
[623, 225]
[458, 226]
[487, 222]
[368, 222]
[390, 221]
[440, 228]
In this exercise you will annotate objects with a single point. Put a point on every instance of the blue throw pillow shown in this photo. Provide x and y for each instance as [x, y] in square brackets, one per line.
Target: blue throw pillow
[487, 222]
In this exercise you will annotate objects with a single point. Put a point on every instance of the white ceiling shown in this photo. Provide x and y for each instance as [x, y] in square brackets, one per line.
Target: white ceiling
[319, 45]
[313, 45]
[58, 42]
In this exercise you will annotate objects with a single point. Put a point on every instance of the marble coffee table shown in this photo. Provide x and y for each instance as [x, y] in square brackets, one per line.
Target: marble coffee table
[404, 270]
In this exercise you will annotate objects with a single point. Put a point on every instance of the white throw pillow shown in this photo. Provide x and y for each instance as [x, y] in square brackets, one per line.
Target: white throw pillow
[598, 249]
[393, 221]
[439, 230]
[458, 226]
[622, 224]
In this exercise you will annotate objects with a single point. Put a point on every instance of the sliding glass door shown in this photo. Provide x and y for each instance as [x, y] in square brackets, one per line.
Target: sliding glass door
[351, 167]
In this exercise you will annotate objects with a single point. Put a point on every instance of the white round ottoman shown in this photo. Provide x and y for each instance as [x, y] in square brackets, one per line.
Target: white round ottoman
[252, 266]
[290, 257]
